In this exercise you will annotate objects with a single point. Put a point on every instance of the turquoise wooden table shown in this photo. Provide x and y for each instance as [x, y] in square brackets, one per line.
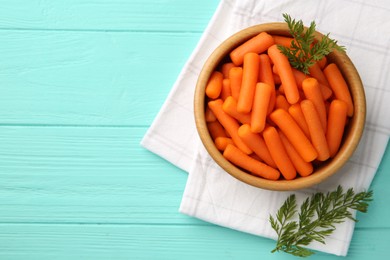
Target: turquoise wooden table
[80, 83]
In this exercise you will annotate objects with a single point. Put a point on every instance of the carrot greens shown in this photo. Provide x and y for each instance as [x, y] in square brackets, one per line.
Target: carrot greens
[305, 50]
[316, 220]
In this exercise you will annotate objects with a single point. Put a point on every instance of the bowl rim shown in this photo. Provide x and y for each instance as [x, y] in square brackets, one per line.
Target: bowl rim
[348, 146]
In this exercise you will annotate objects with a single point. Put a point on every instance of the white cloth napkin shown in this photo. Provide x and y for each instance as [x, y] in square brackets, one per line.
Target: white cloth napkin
[213, 195]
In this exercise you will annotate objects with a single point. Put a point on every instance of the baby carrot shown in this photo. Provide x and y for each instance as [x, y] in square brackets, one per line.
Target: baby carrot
[339, 85]
[316, 72]
[322, 62]
[325, 91]
[235, 76]
[226, 91]
[222, 142]
[299, 77]
[257, 44]
[266, 76]
[256, 143]
[265, 70]
[280, 90]
[250, 73]
[281, 102]
[214, 85]
[254, 156]
[229, 123]
[275, 70]
[336, 123]
[237, 157]
[209, 116]
[277, 79]
[317, 133]
[260, 106]
[216, 130]
[226, 68]
[230, 107]
[303, 168]
[294, 134]
[278, 153]
[312, 91]
[296, 112]
[285, 72]
[283, 40]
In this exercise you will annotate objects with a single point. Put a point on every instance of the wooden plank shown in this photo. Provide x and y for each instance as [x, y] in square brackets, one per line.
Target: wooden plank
[138, 15]
[159, 242]
[80, 175]
[103, 175]
[88, 78]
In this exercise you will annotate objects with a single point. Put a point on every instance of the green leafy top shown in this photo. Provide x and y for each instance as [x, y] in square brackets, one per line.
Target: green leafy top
[304, 50]
[316, 220]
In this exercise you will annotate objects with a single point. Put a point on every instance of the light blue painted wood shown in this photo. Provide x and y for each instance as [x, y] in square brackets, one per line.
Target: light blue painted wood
[85, 175]
[88, 78]
[80, 82]
[115, 15]
[43, 241]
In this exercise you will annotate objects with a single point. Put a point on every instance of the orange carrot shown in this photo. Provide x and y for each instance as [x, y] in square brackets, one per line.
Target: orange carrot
[285, 72]
[250, 73]
[226, 91]
[336, 123]
[209, 116]
[322, 62]
[229, 123]
[235, 76]
[280, 90]
[283, 40]
[294, 134]
[237, 157]
[254, 156]
[216, 130]
[230, 107]
[226, 68]
[299, 77]
[265, 70]
[256, 143]
[214, 85]
[325, 91]
[296, 112]
[281, 102]
[277, 79]
[261, 101]
[316, 72]
[312, 91]
[278, 153]
[327, 105]
[317, 133]
[301, 95]
[303, 168]
[222, 142]
[339, 85]
[257, 44]
[266, 76]
[275, 70]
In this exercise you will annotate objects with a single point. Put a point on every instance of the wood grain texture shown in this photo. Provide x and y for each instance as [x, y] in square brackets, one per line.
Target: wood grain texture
[101, 15]
[157, 242]
[80, 83]
[85, 175]
[88, 78]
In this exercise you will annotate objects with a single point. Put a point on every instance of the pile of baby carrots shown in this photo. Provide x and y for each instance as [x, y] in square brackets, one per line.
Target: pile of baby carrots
[272, 120]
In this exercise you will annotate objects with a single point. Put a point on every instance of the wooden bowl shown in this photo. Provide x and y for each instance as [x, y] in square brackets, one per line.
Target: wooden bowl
[352, 134]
